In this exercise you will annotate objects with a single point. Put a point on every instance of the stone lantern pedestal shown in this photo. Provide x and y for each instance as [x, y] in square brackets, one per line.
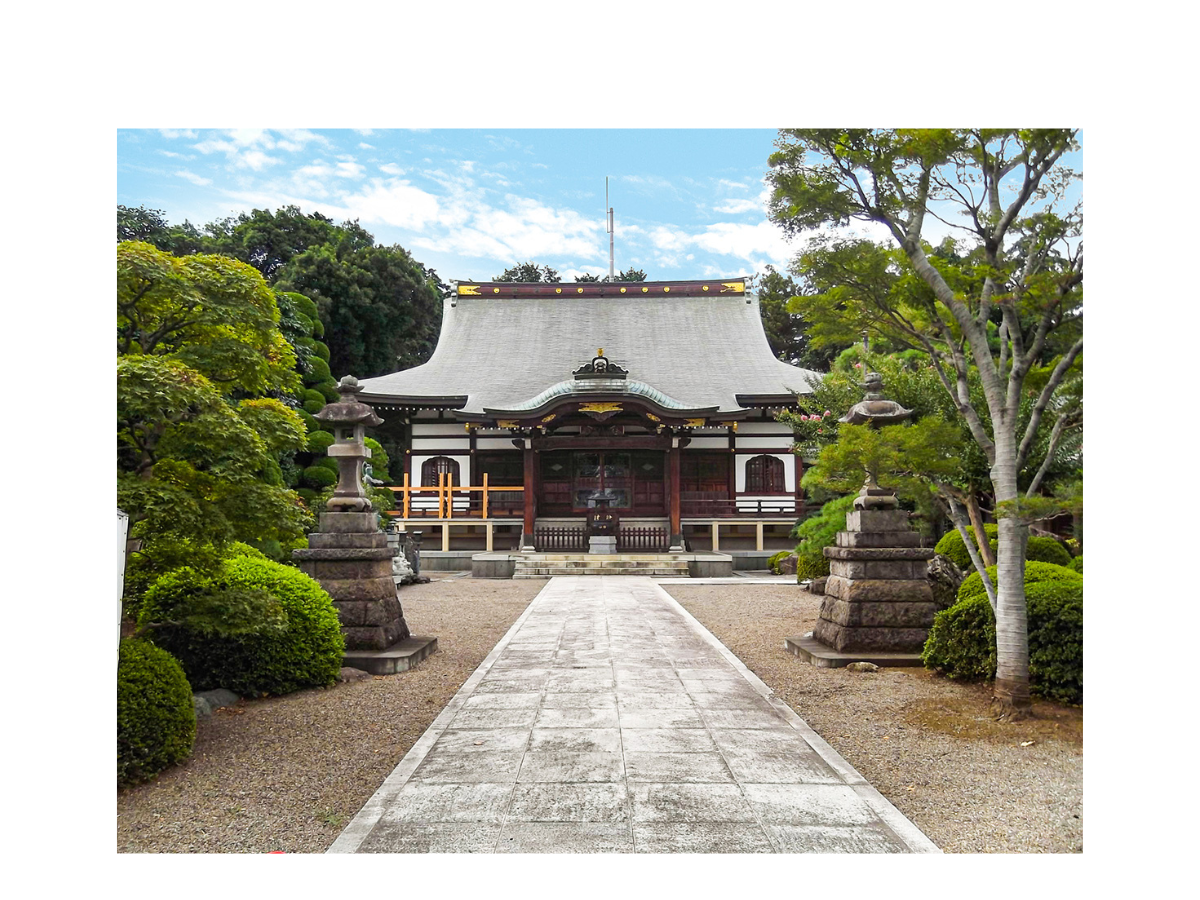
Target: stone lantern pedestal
[350, 556]
[878, 604]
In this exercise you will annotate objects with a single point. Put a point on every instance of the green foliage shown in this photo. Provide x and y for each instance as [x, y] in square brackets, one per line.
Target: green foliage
[319, 441]
[313, 395]
[379, 460]
[309, 421]
[312, 407]
[529, 272]
[1077, 564]
[1047, 549]
[1035, 573]
[773, 560]
[151, 226]
[951, 545]
[321, 350]
[328, 390]
[215, 315]
[318, 371]
[818, 532]
[304, 652]
[786, 331]
[962, 641]
[318, 477]
[156, 721]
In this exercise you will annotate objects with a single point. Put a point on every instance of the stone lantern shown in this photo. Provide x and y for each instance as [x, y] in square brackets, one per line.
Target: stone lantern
[349, 555]
[878, 604]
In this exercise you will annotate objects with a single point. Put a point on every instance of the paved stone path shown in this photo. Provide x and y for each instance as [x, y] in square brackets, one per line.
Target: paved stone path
[609, 720]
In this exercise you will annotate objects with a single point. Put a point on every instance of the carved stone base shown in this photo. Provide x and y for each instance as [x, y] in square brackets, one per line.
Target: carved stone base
[352, 561]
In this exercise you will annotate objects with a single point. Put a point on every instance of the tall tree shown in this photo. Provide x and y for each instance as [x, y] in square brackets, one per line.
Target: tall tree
[1022, 269]
[786, 330]
[529, 273]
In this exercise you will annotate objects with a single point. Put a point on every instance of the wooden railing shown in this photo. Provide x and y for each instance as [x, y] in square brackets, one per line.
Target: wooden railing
[728, 508]
[447, 500]
[559, 538]
[652, 540]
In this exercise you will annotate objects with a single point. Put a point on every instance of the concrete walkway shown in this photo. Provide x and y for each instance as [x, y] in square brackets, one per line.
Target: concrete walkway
[609, 720]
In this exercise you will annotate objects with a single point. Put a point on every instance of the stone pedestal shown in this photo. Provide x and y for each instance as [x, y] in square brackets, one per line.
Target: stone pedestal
[877, 596]
[351, 559]
[602, 543]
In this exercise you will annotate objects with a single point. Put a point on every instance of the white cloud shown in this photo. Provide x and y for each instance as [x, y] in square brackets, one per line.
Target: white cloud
[391, 169]
[362, 145]
[350, 170]
[255, 159]
[736, 185]
[734, 207]
[173, 133]
[194, 178]
[393, 202]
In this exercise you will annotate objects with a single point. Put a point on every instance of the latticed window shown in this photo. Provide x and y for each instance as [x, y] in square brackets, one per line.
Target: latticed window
[764, 475]
[439, 465]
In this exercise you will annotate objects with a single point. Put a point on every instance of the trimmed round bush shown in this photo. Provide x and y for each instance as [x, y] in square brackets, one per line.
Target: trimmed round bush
[951, 545]
[312, 407]
[811, 567]
[327, 462]
[314, 395]
[1077, 565]
[328, 390]
[156, 721]
[1035, 573]
[306, 652]
[319, 441]
[318, 328]
[773, 561]
[1047, 549]
[962, 641]
[318, 370]
[380, 461]
[318, 477]
[305, 322]
[304, 305]
[321, 350]
[309, 421]
[308, 495]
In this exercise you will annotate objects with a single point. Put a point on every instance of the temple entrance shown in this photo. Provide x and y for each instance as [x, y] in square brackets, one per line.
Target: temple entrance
[572, 479]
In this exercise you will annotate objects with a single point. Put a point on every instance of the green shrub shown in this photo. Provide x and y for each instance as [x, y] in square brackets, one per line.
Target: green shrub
[303, 305]
[318, 477]
[156, 721]
[318, 328]
[306, 652]
[313, 395]
[1047, 549]
[308, 495]
[1077, 565]
[773, 561]
[817, 533]
[309, 422]
[327, 462]
[379, 460]
[305, 322]
[319, 441]
[962, 641]
[322, 350]
[328, 390]
[951, 545]
[312, 407]
[1035, 573]
[318, 370]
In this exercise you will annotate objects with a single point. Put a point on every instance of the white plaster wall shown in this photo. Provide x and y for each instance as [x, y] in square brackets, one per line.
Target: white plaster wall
[426, 429]
[789, 470]
[494, 444]
[763, 443]
[441, 443]
[708, 443]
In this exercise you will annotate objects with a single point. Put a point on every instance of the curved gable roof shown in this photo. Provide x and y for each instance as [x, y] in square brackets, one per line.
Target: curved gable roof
[499, 351]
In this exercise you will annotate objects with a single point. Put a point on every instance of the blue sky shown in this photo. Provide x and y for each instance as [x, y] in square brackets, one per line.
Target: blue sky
[469, 203]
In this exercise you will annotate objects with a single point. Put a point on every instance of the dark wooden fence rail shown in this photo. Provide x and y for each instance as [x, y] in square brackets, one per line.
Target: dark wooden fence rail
[653, 540]
[559, 538]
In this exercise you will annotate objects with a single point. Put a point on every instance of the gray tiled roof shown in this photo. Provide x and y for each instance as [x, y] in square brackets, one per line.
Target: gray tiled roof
[503, 352]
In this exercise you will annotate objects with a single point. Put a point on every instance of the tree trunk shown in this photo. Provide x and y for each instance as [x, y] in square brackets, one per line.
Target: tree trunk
[1010, 694]
[981, 538]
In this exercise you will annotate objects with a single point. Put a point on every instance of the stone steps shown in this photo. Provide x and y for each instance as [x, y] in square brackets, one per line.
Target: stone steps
[547, 565]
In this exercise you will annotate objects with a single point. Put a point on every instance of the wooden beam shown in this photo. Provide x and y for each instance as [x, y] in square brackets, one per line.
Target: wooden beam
[673, 490]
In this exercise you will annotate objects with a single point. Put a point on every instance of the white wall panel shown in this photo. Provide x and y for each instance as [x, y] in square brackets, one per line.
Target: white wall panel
[495, 444]
[425, 429]
[708, 443]
[440, 443]
[789, 470]
[764, 443]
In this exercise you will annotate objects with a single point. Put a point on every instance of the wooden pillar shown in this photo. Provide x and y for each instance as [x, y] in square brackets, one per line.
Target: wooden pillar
[758, 535]
[673, 490]
[445, 535]
[489, 535]
[716, 537]
[530, 496]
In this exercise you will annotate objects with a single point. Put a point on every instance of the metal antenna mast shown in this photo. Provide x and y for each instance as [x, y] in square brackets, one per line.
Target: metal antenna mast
[611, 276]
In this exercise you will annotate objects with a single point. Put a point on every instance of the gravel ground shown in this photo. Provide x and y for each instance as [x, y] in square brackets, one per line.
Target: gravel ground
[288, 773]
[926, 743]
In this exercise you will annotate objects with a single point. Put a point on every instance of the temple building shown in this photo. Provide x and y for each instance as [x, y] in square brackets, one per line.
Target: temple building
[542, 402]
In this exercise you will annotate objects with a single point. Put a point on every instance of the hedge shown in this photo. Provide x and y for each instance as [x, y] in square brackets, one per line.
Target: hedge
[319, 441]
[307, 652]
[962, 642]
[318, 477]
[1035, 573]
[1077, 565]
[156, 721]
[1039, 549]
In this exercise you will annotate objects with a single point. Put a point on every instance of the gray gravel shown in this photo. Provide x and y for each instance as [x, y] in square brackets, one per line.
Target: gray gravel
[926, 743]
[287, 773]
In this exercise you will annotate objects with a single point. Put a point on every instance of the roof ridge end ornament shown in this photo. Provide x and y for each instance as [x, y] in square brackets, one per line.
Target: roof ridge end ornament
[600, 367]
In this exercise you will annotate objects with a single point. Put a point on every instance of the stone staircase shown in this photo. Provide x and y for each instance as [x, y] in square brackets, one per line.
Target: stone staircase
[544, 565]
